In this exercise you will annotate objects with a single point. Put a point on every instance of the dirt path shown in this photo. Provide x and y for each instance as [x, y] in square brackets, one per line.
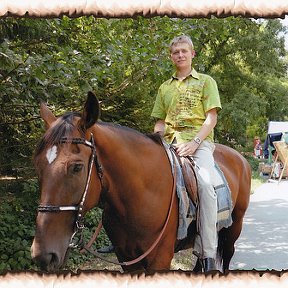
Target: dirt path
[183, 260]
[263, 243]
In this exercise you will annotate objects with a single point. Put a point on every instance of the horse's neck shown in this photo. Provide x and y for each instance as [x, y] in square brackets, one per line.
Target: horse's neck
[115, 155]
[119, 151]
[125, 152]
[133, 166]
[109, 140]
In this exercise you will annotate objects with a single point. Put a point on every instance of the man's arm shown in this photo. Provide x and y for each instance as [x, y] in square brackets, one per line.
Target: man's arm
[159, 127]
[188, 148]
[208, 125]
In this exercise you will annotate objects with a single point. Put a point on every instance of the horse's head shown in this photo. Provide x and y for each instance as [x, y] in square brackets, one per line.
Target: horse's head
[64, 163]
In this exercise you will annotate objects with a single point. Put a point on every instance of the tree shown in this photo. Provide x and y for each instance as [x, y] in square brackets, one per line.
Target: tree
[124, 61]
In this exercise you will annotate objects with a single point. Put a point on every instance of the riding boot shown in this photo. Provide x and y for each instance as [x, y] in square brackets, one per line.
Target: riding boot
[106, 249]
[209, 264]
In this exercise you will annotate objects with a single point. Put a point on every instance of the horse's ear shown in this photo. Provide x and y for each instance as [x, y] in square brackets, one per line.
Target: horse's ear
[46, 114]
[91, 111]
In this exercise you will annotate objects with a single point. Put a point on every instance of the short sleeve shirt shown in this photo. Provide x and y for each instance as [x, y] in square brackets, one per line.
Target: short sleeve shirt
[183, 105]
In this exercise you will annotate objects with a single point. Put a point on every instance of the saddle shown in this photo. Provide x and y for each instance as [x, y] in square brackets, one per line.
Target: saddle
[190, 179]
[188, 195]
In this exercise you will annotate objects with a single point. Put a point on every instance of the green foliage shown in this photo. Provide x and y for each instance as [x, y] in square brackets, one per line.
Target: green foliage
[19, 201]
[124, 61]
[17, 212]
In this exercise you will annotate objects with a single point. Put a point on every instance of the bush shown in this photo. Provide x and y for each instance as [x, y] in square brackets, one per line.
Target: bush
[17, 216]
[19, 201]
[254, 163]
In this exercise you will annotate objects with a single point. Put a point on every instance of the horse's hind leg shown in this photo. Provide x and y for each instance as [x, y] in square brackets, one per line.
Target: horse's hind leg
[227, 238]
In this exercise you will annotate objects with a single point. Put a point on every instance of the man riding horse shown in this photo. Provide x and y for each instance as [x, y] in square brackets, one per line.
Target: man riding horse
[140, 216]
[186, 111]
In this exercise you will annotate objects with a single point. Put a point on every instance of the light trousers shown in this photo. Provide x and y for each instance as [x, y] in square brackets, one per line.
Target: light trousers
[208, 177]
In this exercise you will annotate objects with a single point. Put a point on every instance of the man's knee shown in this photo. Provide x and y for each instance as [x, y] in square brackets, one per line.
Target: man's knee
[204, 177]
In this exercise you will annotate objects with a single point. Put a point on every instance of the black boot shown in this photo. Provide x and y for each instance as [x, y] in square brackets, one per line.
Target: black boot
[209, 264]
[106, 249]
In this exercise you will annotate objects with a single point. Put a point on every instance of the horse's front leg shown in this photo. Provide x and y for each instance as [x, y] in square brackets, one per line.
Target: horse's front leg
[161, 256]
[159, 259]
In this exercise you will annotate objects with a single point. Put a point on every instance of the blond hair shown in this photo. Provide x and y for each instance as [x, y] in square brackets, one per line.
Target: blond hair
[181, 39]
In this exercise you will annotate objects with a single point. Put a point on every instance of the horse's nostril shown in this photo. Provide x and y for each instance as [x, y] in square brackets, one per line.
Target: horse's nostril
[54, 262]
[47, 262]
[54, 259]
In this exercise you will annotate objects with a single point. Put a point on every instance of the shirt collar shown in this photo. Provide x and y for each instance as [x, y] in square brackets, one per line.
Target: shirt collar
[193, 74]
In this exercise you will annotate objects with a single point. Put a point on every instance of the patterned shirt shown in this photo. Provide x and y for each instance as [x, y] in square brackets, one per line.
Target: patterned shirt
[183, 105]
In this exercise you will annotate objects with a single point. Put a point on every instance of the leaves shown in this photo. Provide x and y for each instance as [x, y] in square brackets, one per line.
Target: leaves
[124, 61]
[17, 213]
[19, 201]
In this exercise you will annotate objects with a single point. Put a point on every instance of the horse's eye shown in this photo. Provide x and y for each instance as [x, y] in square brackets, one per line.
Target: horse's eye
[77, 167]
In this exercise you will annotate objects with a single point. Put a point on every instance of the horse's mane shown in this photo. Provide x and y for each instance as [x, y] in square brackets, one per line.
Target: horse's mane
[66, 126]
[54, 134]
[156, 138]
[153, 136]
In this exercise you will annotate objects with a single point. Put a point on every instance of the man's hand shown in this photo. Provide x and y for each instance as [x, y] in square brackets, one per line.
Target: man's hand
[189, 148]
[186, 149]
[160, 127]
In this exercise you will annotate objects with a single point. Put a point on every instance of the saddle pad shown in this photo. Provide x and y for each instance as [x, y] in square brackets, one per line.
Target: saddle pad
[187, 208]
[224, 217]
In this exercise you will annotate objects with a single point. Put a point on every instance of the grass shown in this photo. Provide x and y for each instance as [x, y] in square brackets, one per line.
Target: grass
[256, 181]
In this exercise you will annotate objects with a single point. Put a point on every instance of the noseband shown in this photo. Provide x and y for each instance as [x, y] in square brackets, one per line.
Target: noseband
[79, 226]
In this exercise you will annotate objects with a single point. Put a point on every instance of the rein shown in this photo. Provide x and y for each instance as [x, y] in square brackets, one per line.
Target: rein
[154, 244]
[79, 226]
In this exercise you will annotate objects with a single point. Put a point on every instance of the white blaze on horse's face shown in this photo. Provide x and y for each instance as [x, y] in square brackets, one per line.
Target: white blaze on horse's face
[51, 154]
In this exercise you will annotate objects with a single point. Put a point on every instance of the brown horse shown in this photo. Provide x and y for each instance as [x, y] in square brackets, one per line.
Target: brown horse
[131, 173]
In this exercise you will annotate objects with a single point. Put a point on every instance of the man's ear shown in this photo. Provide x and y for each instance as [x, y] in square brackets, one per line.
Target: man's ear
[193, 53]
[46, 115]
[91, 112]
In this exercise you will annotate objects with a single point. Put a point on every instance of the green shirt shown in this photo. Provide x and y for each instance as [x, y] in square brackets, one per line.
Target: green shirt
[183, 105]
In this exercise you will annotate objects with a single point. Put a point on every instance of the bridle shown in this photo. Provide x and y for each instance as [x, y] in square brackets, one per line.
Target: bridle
[79, 225]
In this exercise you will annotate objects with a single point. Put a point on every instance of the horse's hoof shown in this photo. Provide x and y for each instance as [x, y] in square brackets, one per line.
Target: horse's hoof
[106, 249]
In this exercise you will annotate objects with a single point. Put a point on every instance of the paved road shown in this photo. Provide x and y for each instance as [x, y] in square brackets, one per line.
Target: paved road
[263, 243]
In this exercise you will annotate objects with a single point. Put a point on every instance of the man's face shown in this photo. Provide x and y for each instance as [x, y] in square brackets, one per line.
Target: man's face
[182, 55]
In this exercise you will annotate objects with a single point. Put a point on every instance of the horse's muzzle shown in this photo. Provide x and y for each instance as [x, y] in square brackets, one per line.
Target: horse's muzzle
[46, 261]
